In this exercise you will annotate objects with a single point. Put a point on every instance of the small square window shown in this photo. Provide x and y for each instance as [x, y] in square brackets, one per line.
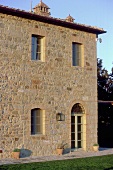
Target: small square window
[37, 48]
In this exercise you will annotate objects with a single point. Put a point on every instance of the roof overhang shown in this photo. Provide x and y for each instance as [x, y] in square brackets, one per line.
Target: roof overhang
[50, 20]
[105, 102]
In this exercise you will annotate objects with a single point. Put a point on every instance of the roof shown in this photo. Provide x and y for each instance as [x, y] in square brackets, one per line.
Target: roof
[50, 20]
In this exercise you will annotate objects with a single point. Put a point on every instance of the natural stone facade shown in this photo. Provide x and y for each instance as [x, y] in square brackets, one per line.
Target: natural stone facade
[54, 85]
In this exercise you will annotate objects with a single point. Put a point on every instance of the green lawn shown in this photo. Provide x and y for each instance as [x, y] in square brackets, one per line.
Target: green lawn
[93, 163]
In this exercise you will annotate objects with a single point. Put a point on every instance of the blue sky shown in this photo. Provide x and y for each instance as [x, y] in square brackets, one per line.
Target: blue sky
[90, 12]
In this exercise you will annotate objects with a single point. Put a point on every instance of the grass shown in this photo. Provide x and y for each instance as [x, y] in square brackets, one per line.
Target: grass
[92, 163]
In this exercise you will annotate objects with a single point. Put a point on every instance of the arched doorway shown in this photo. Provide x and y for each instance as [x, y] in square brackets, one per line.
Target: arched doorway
[77, 127]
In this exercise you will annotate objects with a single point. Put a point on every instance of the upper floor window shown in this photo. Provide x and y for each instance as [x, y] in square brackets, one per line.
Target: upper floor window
[37, 48]
[77, 54]
[37, 121]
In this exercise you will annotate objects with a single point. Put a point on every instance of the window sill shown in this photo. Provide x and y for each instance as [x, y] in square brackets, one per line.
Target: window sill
[77, 67]
[40, 61]
[39, 136]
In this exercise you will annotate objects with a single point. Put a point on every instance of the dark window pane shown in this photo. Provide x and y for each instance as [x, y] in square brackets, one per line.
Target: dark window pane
[72, 136]
[79, 144]
[79, 119]
[72, 128]
[79, 136]
[39, 41]
[32, 129]
[72, 144]
[79, 128]
[72, 119]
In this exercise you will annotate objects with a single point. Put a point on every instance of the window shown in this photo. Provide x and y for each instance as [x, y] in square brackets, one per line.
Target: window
[37, 47]
[77, 54]
[37, 121]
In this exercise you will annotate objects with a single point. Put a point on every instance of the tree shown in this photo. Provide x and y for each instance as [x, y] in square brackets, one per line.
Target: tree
[105, 109]
[105, 82]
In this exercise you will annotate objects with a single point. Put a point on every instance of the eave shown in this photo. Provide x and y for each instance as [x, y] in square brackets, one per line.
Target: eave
[50, 20]
[105, 102]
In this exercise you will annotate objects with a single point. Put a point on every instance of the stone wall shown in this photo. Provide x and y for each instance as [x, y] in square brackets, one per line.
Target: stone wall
[54, 85]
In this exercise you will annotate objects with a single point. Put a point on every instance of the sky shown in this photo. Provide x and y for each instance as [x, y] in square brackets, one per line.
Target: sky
[90, 12]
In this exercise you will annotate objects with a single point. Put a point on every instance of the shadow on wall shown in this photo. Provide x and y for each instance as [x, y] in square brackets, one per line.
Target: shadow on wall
[25, 153]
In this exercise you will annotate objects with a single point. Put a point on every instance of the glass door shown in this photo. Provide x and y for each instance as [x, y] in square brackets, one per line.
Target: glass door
[76, 131]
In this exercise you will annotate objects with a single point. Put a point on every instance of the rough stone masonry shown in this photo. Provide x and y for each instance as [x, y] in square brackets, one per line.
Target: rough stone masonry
[53, 85]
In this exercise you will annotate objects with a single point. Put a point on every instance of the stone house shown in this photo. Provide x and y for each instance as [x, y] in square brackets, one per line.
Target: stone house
[48, 82]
